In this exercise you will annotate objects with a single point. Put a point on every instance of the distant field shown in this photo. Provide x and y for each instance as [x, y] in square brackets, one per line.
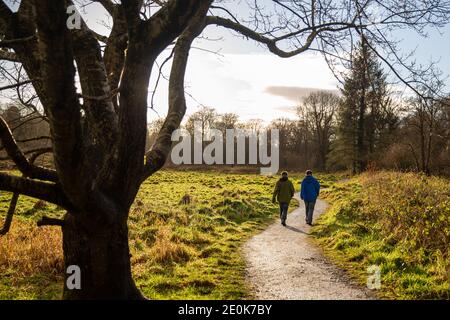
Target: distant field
[397, 221]
[179, 251]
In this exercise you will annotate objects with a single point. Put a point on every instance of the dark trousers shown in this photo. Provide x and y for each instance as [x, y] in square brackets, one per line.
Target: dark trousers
[283, 211]
[309, 210]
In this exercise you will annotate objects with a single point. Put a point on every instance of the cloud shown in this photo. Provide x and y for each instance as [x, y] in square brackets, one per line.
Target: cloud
[249, 84]
[295, 94]
[287, 109]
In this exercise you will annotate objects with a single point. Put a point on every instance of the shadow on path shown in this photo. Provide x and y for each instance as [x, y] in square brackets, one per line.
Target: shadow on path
[295, 229]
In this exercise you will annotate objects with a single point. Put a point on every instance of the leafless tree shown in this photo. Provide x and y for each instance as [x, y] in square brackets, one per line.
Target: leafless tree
[426, 132]
[205, 116]
[291, 142]
[226, 121]
[318, 110]
[252, 125]
[153, 129]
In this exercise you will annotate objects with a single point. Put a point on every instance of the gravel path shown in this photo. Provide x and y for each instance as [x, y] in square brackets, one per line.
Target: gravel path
[283, 263]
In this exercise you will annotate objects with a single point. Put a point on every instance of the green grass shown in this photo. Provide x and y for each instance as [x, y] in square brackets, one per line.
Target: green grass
[179, 250]
[399, 222]
[192, 250]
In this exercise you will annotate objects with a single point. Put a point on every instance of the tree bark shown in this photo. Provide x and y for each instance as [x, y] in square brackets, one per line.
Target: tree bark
[101, 252]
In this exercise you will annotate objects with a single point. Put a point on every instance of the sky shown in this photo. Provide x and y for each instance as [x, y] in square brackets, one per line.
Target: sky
[242, 77]
[250, 81]
[246, 79]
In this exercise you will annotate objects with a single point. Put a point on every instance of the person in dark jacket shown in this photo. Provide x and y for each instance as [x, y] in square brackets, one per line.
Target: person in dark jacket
[283, 193]
[310, 188]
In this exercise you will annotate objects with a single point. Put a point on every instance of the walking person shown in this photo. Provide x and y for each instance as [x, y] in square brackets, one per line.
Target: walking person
[310, 188]
[283, 193]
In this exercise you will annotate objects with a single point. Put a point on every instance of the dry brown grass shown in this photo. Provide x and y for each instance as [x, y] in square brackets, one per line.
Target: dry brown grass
[27, 249]
[411, 207]
[166, 250]
[397, 221]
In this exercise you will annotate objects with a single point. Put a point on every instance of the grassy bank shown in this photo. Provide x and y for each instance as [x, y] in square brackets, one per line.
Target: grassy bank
[180, 249]
[399, 222]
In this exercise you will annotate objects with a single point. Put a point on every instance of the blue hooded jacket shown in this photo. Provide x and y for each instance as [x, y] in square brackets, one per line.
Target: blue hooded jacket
[309, 189]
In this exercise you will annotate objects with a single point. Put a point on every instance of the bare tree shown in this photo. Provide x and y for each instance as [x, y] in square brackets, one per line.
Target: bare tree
[318, 110]
[252, 125]
[426, 131]
[205, 116]
[226, 121]
[99, 128]
[290, 142]
[153, 129]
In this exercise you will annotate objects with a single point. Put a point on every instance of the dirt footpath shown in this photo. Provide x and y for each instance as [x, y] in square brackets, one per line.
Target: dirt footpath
[283, 263]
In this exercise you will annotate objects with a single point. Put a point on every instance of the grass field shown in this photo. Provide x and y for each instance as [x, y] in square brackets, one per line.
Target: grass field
[187, 228]
[187, 250]
[399, 222]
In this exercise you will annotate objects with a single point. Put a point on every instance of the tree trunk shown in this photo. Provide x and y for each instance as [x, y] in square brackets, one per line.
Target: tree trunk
[100, 250]
[422, 144]
[361, 160]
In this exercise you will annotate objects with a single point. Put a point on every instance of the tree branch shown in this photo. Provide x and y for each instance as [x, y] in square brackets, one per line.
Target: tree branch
[157, 156]
[38, 151]
[100, 37]
[9, 214]
[96, 91]
[15, 85]
[270, 43]
[12, 206]
[147, 39]
[34, 139]
[49, 192]
[47, 221]
[8, 43]
[114, 56]
[56, 48]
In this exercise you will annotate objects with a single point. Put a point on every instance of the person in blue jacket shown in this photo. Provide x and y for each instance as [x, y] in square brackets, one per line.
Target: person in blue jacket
[310, 188]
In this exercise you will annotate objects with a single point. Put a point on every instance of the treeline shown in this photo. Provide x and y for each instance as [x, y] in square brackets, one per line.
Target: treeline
[364, 125]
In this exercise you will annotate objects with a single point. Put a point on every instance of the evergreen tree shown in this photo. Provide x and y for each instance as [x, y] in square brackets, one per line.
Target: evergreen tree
[366, 114]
